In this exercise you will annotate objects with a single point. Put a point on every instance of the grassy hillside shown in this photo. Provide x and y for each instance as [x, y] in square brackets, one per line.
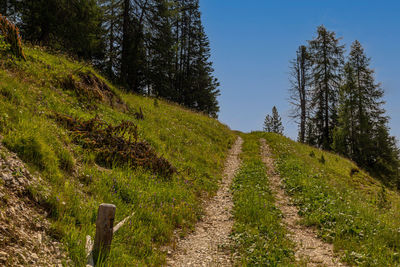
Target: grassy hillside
[76, 179]
[66, 121]
[349, 208]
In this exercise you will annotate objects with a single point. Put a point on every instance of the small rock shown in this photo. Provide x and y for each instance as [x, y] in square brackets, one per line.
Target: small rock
[7, 177]
[34, 256]
[3, 256]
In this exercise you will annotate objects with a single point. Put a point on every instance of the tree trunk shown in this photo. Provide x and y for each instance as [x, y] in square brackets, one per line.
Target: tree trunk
[125, 42]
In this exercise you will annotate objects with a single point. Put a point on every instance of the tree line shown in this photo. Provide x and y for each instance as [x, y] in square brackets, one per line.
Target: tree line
[152, 47]
[339, 107]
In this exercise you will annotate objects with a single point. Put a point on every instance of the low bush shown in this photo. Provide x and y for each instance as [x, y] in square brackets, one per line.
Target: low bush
[115, 145]
[11, 38]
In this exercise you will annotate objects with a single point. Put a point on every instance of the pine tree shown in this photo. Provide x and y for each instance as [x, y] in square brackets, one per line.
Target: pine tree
[111, 24]
[362, 133]
[276, 121]
[162, 50]
[268, 124]
[345, 136]
[299, 95]
[327, 58]
[273, 124]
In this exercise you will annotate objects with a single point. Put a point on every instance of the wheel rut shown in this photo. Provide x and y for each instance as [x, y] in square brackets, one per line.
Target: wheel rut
[309, 248]
[209, 244]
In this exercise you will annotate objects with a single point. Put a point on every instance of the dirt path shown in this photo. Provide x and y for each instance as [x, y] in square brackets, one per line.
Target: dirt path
[205, 246]
[310, 248]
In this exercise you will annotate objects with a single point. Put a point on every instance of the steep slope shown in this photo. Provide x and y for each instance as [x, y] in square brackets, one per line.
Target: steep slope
[176, 156]
[23, 223]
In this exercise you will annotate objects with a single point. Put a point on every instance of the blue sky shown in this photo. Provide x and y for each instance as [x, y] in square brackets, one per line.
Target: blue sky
[252, 42]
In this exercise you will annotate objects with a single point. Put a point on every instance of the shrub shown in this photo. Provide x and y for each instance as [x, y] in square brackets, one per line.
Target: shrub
[115, 145]
[354, 171]
[11, 38]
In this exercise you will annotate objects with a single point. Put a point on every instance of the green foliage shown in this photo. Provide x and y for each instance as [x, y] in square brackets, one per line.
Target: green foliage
[185, 138]
[258, 234]
[273, 124]
[327, 60]
[359, 215]
[4, 47]
[153, 47]
[362, 133]
[340, 105]
[74, 26]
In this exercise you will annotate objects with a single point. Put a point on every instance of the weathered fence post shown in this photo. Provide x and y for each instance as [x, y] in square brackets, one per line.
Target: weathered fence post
[104, 231]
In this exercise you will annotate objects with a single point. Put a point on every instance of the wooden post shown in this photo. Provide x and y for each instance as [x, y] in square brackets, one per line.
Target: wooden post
[104, 231]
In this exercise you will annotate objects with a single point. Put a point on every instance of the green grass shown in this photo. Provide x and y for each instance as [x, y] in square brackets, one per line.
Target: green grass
[348, 207]
[258, 235]
[73, 185]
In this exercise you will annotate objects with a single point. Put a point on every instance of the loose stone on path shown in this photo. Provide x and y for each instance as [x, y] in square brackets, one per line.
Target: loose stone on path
[209, 244]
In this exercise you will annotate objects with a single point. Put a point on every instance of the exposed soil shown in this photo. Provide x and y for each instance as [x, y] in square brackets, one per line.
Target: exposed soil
[209, 244]
[309, 248]
[24, 230]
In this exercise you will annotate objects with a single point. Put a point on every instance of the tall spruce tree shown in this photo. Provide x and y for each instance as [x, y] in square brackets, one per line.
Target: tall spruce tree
[299, 96]
[162, 50]
[327, 58]
[362, 133]
[111, 24]
[345, 136]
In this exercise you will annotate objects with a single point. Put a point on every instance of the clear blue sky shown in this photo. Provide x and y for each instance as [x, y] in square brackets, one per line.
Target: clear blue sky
[252, 42]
